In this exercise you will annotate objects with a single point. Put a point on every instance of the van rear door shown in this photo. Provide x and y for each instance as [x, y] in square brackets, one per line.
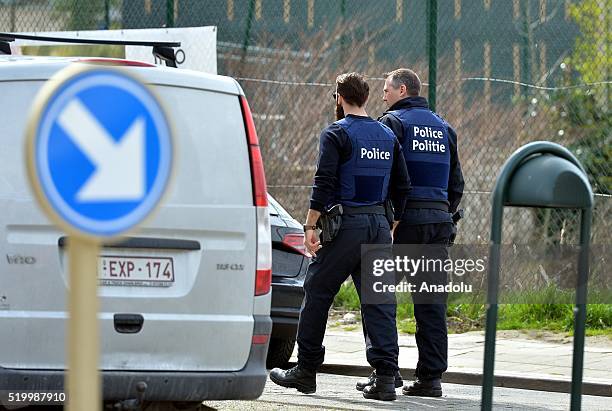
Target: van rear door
[179, 293]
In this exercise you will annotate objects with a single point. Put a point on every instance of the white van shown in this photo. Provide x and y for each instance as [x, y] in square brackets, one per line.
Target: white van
[201, 332]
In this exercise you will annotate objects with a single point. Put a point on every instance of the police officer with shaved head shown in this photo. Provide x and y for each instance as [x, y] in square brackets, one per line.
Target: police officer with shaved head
[430, 149]
[360, 168]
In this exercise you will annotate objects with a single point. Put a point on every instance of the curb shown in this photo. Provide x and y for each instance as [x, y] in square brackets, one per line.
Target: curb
[466, 378]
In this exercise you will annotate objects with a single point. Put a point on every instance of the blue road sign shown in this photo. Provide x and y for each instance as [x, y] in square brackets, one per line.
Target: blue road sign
[102, 152]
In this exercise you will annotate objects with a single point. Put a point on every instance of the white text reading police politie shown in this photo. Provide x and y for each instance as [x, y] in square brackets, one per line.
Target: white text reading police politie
[427, 145]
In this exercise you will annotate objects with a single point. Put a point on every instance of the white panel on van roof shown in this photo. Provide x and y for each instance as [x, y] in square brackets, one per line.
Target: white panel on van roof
[42, 68]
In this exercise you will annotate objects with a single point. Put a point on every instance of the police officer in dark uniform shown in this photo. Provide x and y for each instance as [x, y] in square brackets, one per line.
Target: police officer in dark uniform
[360, 166]
[430, 148]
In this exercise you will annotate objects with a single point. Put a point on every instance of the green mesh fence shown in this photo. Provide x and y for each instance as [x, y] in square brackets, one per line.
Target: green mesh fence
[509, 72]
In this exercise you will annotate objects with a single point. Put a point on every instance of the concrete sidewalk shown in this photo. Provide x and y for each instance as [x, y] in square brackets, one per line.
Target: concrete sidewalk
[521, 362]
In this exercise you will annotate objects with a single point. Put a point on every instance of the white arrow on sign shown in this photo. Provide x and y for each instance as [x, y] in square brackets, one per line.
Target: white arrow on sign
[120, 166]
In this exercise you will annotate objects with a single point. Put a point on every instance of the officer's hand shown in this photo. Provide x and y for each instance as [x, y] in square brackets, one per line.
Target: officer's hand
[395, 224]
[311, 242]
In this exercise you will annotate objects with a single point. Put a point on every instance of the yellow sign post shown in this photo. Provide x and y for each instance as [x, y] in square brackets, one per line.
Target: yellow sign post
[83, 331]
[97, 170]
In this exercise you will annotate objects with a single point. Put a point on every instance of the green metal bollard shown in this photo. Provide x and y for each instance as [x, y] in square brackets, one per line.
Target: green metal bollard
[539, 174]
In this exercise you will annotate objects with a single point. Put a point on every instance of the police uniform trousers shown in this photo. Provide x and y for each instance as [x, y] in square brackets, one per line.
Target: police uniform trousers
[327, 271]
[431, 332]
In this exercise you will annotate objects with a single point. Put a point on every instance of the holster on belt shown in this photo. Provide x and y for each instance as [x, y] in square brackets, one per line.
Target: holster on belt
[330, 222]
[457, 215]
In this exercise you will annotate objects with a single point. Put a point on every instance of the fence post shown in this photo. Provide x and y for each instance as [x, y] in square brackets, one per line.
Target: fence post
[107, 14]
[432, 43]
[527, 40]
[343, 41]
[247, 32]
[170, 13]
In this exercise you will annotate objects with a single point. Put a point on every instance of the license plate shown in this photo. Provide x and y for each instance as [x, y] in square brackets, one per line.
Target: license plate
[136, 271]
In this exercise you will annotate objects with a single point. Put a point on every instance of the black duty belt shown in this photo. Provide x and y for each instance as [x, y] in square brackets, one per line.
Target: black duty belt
[374, 209]
[436, 205]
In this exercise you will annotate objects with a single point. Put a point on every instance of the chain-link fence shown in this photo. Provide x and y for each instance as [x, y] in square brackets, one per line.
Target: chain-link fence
[509, 72]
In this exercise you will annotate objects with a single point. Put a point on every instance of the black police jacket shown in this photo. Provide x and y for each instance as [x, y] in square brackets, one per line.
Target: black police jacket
[335, 149]
[455, 181]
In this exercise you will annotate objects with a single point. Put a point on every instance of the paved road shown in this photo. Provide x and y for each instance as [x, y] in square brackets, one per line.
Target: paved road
[338, 393]
[516, 354]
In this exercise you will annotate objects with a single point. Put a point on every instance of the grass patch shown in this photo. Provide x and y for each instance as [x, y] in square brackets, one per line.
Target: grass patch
[347, 298]
[406, 326]
[592, 332]
[351, 327]
[469, 317]
[554, 317]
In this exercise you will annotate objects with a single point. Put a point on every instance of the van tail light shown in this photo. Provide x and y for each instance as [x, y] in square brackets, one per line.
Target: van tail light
[263, 279]
[263, 273]
[260, 339]
[260, 192]
[295, 242]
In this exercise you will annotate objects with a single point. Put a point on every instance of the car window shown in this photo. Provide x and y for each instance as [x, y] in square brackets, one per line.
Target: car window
[275, 207]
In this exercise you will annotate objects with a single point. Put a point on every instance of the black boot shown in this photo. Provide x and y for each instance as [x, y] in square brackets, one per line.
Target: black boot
[424, 388]
[370, 380]
[382, 389]
[298, 377]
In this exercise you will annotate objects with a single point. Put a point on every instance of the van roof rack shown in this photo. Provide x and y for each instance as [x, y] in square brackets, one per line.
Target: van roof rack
[163, 50]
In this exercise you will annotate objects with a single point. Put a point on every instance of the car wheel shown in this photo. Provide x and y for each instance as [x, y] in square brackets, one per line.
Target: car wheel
[279, 352]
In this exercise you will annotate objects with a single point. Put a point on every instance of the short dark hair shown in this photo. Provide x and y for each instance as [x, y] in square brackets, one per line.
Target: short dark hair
[353, 88]
[406, 77]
